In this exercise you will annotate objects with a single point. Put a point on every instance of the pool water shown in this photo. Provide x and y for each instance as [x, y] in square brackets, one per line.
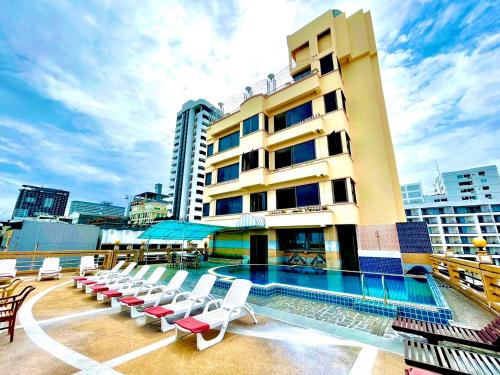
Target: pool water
[399, 288]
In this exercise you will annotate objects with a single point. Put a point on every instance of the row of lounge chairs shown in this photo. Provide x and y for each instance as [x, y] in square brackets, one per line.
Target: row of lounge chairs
[50, 269]
[447, 360]
[169, 303]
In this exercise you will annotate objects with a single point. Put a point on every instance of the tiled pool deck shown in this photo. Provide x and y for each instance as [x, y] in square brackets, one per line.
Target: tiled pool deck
[294, 336]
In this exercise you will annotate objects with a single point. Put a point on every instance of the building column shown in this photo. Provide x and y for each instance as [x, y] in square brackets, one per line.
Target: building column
[332, 253]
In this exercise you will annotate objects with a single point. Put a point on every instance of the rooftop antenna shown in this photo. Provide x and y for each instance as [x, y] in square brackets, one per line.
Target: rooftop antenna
[248, 92]
[271, 83]
[221, 107]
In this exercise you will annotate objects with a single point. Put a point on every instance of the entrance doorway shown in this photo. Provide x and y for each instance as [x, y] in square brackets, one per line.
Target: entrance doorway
[348, 245]
[258, 249]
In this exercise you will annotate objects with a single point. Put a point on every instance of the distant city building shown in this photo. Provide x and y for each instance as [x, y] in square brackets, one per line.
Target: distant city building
[91, 208]
[187, 172]
[481, 183]
[412, 193]
[149, 207]
[466, 205]
[34, 201]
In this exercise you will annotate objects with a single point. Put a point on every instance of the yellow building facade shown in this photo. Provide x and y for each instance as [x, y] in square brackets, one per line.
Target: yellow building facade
[296, 170]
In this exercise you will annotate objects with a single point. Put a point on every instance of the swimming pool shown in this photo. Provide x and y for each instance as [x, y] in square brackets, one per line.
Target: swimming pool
[404, 296]
[398, 288]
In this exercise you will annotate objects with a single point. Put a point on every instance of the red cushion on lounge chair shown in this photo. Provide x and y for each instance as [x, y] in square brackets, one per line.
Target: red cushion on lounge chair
[112, 293]
[99, 288]
[193, 325]
[419, 371]
[132, 301]
[89, 282]
[79, 278]
[158, 311]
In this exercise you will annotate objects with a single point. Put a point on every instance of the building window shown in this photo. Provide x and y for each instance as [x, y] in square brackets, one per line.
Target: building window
[330, 100]
[302, 74]
[266, 123]
[301, 239]
[208, 179]
[251, 125]
[295, 154]
[486, 188]
[266, 159]
[348, 143]
[326, 64]
[482, 173]
[206, 209]
[340, 191]
[228, 173]
[334, 143]
[488, 196]
[229, 141]
[298, 196]
[258, 202]
[292, 116]
[343, 101]
[48, 202]
[210, 149]
[249, 160]
[228, 206]
[199, 191]
[353, 192]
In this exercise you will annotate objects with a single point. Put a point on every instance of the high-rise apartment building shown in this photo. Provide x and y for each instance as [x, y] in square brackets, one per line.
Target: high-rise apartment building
[481, 183]
[297, 169]
[98, 209]
[187, 172]
[412, 193]
[38, 200]
[467, 206]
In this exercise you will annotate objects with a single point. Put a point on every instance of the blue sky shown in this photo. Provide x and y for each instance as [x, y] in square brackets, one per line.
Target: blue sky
[89, 90]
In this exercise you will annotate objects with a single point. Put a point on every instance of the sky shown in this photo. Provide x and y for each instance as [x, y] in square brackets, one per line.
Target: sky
[89, 91]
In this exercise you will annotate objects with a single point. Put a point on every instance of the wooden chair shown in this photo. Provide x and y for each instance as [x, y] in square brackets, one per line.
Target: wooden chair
[9, 306]
[486, 338]
[446, 360]
[8, 289]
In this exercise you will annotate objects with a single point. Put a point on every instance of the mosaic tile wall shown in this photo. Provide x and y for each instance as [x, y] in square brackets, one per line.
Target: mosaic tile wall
[381, 265]
[414, 237]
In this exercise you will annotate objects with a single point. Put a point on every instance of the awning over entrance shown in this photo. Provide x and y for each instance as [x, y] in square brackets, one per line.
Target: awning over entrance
[251, 221]
[180, 230]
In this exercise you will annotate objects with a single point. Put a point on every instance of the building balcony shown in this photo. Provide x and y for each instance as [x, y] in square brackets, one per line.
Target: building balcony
[222, 188]
[253, 177]
[318, 168]
[300, 217]
[220, 157]
[314, 125]
[293, 91]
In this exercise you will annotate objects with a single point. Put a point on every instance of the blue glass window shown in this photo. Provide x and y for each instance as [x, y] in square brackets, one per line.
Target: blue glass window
[292, 116]
[307, 195]
[299, 196]
[210, 149]
[295, 154]
[229, 172]
[251, 125]
[206, 209]
[229, 141]
[208, 179]
[229, 206]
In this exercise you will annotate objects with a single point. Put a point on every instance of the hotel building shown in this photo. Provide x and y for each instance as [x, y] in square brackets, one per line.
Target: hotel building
[298, 169]
[98, 209]
[38, 200]
[187, 172]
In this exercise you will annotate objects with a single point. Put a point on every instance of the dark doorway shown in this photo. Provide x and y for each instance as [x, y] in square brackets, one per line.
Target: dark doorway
[348, 245]
[258, 249]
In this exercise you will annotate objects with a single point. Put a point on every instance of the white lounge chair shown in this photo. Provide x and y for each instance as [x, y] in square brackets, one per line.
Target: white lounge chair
[145, 297]
[85, 284]
[232, 307]
[152, 282]
[87, 264]
[196, 299]
[8, 268]
[117, 282]
[50, 268]
[99, 274]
